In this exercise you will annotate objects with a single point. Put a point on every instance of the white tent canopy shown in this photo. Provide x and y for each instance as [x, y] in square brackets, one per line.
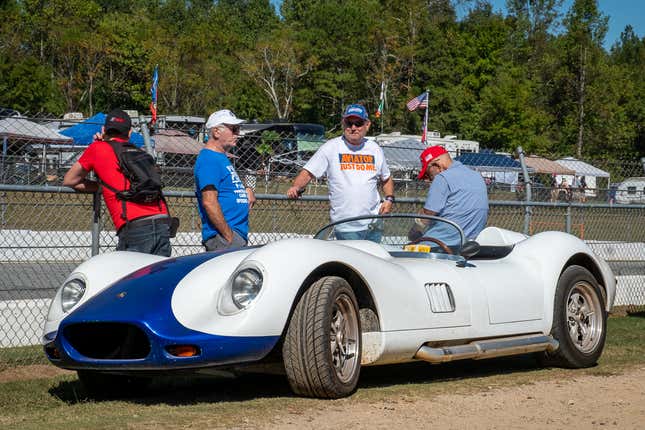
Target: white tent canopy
[27, 131]
[582, 169]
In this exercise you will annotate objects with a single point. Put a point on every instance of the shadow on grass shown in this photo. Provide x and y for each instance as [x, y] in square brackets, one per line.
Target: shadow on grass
[189, 390]
[186, 390]
[422, 372]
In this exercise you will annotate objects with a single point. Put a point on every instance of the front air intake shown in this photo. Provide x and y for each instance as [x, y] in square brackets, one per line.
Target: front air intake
[108, 341]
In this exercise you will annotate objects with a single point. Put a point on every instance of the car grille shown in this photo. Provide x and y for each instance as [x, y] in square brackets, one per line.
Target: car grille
[108, 341]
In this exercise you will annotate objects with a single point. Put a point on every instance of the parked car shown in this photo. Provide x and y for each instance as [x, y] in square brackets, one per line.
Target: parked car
[276, 147]
[321, 308]
[6, 112]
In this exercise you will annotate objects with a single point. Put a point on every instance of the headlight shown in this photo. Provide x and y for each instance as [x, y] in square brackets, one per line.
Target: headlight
[246, 286]
[71, 293]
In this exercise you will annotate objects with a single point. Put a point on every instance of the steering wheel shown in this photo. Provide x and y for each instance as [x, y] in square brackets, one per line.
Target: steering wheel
[443, 246]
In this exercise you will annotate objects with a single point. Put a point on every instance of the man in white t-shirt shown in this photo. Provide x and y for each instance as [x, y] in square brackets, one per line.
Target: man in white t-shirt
[353, 165]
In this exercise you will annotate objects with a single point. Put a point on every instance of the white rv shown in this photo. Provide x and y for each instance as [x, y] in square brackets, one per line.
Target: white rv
[453, 145]
[631, 190]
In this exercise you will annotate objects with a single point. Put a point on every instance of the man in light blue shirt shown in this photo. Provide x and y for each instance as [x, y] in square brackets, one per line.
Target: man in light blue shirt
[457, 193]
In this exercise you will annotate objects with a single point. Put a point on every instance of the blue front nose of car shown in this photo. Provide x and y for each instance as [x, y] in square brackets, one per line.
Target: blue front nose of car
[131, 325]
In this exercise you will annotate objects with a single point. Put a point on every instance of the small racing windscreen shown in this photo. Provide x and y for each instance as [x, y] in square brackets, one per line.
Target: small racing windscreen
[399, 232]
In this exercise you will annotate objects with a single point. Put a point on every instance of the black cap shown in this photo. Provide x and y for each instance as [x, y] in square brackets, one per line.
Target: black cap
[118, 122]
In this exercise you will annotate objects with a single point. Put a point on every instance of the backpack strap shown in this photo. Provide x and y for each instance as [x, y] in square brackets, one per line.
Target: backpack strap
[117, 147]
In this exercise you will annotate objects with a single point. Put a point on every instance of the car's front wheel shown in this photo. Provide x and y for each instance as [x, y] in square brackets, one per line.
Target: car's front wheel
[322, 347]
[579, 320]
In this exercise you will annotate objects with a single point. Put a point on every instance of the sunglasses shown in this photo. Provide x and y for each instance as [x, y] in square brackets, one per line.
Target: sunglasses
[354, 122]
[235, 129]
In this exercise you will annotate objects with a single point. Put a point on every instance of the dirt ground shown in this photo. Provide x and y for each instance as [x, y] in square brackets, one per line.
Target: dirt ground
[583, 401]
[616, 401]
[23, 373]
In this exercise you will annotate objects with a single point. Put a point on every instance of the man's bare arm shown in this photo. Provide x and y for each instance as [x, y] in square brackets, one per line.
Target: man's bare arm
[76, 178]
[427, 212]
[388, 190]
[214, 212]
[301, 181]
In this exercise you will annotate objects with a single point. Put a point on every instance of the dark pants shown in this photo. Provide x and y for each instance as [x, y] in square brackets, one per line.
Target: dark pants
[218, 243]
[148, 235]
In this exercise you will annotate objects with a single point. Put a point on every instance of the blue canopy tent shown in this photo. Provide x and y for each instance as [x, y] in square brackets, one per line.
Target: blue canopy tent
[500, 168]
[83, 133]
[489, 161]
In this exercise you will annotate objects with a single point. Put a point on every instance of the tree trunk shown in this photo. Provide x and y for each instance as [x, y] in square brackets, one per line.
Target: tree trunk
[581, 100]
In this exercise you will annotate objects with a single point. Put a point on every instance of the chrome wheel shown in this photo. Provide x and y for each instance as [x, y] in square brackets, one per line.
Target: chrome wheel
[584, 317]
[322, 346]
[343, 338]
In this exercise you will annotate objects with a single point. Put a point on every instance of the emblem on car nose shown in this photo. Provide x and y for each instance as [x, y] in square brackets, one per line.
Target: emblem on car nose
[121, 295]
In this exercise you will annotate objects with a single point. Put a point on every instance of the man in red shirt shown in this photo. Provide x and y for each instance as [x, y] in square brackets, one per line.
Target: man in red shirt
[144, 227]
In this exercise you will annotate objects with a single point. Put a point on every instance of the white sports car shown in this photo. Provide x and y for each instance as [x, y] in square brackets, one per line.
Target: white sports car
[324, 307]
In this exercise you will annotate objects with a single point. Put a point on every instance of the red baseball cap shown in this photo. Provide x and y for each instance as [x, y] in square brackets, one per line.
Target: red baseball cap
[429, 154]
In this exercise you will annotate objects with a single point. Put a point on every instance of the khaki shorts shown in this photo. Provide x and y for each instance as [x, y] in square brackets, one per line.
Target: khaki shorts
[218, 243]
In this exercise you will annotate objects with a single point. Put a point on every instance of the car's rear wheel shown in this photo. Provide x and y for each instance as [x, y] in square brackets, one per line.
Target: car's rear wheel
[322, 347]
[107, 385]
[579, 320]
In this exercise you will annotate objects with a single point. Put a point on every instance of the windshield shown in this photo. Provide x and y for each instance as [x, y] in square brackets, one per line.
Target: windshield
[399, 232]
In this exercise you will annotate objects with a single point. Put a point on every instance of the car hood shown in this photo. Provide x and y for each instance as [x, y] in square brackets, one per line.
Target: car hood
[145, 295]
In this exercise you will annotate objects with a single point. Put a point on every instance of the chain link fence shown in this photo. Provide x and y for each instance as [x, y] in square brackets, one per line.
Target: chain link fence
[47, 230]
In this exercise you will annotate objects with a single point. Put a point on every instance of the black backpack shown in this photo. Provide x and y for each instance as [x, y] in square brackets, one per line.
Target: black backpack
[140, 169]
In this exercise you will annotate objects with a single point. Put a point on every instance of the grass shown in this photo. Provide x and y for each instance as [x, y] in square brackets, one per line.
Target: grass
[21, 355]
[73, 212]
[252, 400]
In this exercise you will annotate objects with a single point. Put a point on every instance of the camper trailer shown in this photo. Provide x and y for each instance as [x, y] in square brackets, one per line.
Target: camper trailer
[453, 145]
[631, 190]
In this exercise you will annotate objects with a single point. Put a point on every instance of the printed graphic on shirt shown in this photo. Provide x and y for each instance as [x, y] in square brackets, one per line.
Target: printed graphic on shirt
[364, 162]
[240, 192]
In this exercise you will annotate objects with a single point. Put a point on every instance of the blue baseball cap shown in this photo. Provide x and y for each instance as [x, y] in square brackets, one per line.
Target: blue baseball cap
[356, 110]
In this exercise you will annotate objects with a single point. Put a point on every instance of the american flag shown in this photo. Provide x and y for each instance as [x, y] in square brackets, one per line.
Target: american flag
[418, 102]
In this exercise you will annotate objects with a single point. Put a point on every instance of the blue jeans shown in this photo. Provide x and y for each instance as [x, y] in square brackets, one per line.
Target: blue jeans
[148, 236]
[368, 234]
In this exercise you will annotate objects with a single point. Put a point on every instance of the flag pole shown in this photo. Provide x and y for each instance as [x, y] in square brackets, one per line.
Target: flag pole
[425, 119]
[381, 104]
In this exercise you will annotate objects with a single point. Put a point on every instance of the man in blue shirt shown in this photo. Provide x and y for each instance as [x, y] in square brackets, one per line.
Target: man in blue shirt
[457, 193]
[222, 198]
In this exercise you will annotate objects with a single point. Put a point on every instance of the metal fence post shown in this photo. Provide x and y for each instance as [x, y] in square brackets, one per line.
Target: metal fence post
[568, 219]
[527, 189]
[146, 135]
[96, 222]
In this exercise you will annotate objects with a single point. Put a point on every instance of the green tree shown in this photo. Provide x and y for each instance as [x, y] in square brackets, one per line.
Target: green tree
[586, 28]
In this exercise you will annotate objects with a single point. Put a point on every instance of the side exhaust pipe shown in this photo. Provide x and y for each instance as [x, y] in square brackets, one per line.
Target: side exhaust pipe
[489, 348]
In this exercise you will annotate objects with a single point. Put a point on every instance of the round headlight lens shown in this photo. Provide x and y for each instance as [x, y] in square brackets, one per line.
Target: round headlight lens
[247, 284]
[72, 293]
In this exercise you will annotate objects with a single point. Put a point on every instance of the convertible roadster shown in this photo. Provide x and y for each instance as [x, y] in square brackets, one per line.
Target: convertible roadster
[323, 307]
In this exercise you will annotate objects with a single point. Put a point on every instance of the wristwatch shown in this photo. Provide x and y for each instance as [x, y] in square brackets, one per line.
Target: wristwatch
[390, 198]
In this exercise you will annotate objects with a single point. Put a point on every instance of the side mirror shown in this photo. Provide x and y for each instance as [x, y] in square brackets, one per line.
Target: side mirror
[470, 249]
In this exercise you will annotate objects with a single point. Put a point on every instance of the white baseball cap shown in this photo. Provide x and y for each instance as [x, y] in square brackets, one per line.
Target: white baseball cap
[223, 116]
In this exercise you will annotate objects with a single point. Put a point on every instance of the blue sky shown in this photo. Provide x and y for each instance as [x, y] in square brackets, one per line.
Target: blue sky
[620, 12]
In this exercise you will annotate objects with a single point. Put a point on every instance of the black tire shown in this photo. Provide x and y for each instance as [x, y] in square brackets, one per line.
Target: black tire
[106, 385]
[322, 347]
[579, 320]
